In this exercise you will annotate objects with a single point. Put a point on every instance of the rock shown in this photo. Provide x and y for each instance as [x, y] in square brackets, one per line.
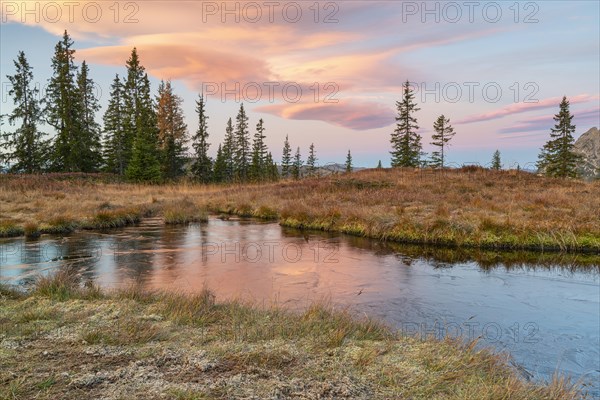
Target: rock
[588, 146]
[201, 361]
[152, 317]
[10, 344]
[89, 380]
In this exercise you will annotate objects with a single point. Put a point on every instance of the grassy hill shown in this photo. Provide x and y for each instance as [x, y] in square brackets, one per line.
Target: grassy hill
[470, 207]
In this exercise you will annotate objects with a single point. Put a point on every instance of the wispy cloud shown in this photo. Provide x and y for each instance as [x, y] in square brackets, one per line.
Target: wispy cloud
[519, 108]
[356, 115]
[194, 65]
[583, 119]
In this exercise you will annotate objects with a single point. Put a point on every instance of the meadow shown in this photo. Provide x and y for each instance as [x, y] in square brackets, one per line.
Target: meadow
[68, 339]
[470, 207]
[64, 337]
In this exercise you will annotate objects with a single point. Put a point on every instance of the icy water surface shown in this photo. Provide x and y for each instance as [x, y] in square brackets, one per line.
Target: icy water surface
[544, 309]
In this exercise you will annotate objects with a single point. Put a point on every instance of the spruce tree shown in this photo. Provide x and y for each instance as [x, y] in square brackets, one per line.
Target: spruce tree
[259, 170]
[443, 134]
[25, 148]
[286, 159]
[133, 104]
[202, 167]
[557, 158]
[172, 131]
[406, 142]
[496, 163]
[349, 162]
[311, 161]
[144, 165]
[88, 140]
[220, 167]
[379, 166]
[272, 171]
[115, 144]
[62, 107]
[242, 146]
[229, 150]
[297, 165]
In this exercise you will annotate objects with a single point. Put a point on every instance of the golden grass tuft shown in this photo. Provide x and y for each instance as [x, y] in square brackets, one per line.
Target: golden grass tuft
[183, 212]
[110, 219]
[10, 229]
[31, 230]
[59, 225]
[65, 284]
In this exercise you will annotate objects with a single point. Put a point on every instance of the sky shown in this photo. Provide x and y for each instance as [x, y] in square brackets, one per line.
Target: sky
[330, 72]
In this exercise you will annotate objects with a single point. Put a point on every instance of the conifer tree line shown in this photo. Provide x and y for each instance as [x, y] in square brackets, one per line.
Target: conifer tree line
[144, 137]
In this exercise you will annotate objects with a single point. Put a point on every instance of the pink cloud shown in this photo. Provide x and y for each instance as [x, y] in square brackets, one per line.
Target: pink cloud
[189, 37]
[590, 117]
[519, 108]
[193, 65]
[356, 115]
[587, 118]
[544, 122]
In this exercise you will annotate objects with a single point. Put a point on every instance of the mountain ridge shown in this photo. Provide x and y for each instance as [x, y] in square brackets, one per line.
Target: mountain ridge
[588, 147]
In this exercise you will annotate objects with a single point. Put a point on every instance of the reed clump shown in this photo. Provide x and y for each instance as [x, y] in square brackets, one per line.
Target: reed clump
[183, 212]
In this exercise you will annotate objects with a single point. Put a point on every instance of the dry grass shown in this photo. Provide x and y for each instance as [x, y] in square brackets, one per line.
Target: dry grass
[183, 211]
[110, 219]
[470, 207]
[9, 228]
[64, 285]
[134, 332]
[135, 344]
